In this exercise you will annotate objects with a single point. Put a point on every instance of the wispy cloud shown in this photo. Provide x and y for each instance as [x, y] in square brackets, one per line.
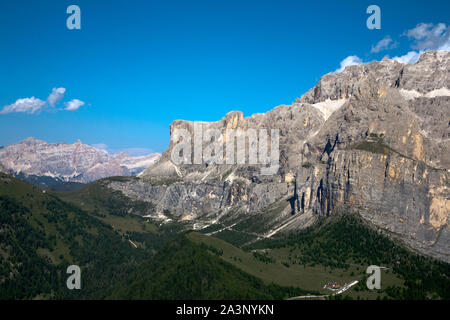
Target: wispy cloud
[56, 96]
[384, 44]
[349, 61]
[426, 36]
[73, 105]
[137, 151]
[130, 151]
[25, 105]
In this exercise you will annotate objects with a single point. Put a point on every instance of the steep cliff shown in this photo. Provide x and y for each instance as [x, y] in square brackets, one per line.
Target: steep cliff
[374, 139]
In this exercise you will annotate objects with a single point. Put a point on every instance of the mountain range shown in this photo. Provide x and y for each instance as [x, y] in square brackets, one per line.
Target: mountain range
[373, 139]
[37, 160]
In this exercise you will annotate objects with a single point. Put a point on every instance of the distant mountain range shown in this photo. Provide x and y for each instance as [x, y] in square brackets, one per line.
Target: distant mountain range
[47, 163]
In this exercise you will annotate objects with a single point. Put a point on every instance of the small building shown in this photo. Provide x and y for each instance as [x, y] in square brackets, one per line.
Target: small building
[333, 285]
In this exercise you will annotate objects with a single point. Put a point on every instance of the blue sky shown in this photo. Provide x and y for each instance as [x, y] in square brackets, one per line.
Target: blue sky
[135, 66]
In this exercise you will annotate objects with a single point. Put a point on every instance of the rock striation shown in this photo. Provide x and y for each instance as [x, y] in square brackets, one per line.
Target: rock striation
[374, 139]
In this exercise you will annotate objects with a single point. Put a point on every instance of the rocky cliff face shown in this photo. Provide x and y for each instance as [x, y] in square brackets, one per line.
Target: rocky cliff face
[374, 139]
[69, 162]
[3, 169]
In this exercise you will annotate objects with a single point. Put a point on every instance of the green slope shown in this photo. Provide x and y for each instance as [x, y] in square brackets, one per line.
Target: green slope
[186, 270]
[337, 249]
[100, 200]
[274, 265]
[125, 216]
[345, 242]
[42, 235]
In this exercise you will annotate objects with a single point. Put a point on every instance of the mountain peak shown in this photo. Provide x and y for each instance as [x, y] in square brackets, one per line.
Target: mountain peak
[428, 74]
[32, 140]
[434, 55]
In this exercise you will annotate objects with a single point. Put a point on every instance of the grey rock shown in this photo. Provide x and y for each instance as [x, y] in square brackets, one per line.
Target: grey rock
[374, 139]
[69, 162]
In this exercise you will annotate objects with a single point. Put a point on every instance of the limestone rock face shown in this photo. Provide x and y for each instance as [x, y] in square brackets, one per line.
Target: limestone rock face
[69, 162]
[374, 139]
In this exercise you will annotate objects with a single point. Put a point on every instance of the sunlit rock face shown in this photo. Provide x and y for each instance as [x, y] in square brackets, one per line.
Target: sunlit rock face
[69, 162]
[374, 139]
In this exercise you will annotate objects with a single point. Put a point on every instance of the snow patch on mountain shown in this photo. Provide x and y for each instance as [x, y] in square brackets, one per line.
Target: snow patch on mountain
[328, 107]
[413, 94]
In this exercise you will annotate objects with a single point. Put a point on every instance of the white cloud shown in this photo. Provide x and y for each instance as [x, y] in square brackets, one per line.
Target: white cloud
[33, 105]
[73, 105]
[349, 61]
[56, 96]
[420, 31]
[426, 36]
[410, 57]
[25, 105]
[384, 44]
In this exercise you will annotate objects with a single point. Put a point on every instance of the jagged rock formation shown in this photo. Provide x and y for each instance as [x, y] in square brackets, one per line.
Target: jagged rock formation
[69, 162]
[374, 138]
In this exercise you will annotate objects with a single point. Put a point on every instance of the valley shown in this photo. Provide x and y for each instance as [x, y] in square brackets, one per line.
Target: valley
[137, 252]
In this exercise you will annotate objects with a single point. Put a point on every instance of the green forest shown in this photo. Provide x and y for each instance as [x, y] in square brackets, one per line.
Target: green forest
[125, 256]
[338, 241]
